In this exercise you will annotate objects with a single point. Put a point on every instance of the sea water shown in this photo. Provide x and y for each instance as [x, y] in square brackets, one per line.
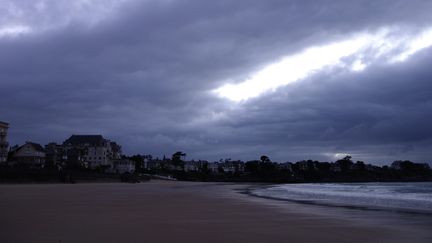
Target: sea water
[404, 197]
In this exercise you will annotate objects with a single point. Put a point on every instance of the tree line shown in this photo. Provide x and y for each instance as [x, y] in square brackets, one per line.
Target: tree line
[264, 170]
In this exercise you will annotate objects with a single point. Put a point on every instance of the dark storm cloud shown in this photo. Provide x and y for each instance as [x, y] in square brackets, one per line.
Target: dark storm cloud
[141, 73]
[386, 107]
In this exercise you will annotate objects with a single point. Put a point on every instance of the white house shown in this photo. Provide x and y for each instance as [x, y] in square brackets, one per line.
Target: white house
[122, 166]
[31, 154]
[92, 150]
[213, 167]
[191, 166]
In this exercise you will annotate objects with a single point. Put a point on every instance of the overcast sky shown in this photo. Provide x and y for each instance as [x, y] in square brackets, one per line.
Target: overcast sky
[292, 79]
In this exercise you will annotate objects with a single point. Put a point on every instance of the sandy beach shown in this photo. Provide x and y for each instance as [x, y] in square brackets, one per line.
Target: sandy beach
[164, 211]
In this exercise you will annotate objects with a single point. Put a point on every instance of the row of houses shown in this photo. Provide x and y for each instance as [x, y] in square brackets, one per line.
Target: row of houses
[95, 151]
[194, 166]
[89, 151]
[231, 166]
[238, 166]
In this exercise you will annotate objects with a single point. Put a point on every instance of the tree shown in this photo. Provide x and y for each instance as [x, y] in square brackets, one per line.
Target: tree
[178, 155]
[139, 162]
[345, 163]
[360, 166]
[265, 159]
[177, 158]
[252, 167]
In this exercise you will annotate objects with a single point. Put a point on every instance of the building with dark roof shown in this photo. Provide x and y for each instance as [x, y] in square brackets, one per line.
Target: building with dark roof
[4, 145]
[91, 150]
[88, 140]
[30, 153]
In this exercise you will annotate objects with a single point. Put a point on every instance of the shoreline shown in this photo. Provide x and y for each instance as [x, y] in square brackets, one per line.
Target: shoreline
[249, 192]
[166, 211]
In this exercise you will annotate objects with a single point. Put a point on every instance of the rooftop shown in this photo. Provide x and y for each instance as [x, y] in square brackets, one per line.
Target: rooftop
[36, 146]
[85, 139]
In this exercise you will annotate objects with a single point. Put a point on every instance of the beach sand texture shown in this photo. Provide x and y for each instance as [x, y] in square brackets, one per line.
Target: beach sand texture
[169, 211]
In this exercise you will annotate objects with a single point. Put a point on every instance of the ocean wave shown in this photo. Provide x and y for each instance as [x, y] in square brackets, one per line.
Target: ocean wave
[392, 196]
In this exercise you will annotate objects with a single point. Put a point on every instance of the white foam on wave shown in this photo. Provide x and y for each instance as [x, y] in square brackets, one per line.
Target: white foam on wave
[410, 196]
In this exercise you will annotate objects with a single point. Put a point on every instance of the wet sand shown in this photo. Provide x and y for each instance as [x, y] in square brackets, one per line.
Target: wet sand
[164, 211]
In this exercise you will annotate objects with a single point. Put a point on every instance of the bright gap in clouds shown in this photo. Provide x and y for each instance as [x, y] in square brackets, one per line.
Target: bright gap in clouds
[13, 31]
[422, 41]
[312, 60]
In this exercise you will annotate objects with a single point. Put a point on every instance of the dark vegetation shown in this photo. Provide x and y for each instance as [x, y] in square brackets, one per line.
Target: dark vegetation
[262, 170]
[50, 174]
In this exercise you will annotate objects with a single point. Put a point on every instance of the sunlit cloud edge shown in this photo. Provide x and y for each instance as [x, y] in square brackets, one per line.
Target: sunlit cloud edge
[355, 54]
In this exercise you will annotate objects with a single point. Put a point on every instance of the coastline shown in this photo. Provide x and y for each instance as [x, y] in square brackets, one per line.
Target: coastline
[166, 211]
[415, 212]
